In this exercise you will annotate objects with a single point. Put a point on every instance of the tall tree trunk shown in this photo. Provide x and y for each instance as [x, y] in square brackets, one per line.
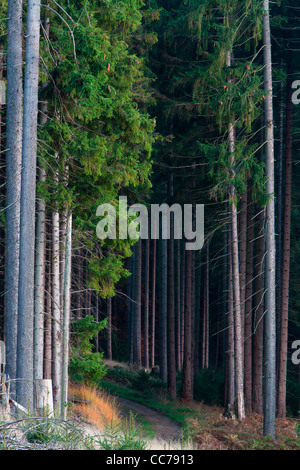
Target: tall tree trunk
[163, 310]
[258, 313]
[40, 264]
[27, 220]
[13, 182]
[281, 406]
[230, 352]
[146, 312]
[56, 311]
[137, 337]
[66, 316]
[182, 301]
[243, 256]
[239, 370]
[153, 305]
[187, 388]
[109, 327]
[279, 213]
[248, 306]
[270, 314]
[171, 304]
[48, 316]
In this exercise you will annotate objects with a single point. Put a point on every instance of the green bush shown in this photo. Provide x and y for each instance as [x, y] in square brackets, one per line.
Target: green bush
[85, 365]
[143, 382]
[209, 387]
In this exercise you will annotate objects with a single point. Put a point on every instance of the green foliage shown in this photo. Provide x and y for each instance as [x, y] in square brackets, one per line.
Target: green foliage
[99, 136]
[209, 387]
[144, 383]
[85, 365]
[123, 436]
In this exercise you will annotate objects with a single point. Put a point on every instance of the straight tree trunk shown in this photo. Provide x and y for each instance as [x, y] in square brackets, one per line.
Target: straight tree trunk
[48, 316]
[163, 310]
[171, 305]
[258, 312]
[153, 305]
[56, 312]
[146, 312]
[137, 337]
[248, 306]
[13, 182]
[187, 389]
[239, 370]
[283, 351]
[27, 220]
[66, 317]
[270, 313]
[243, 256]
[230, 350]
[171, 321]
[109, 327]
[40, 262]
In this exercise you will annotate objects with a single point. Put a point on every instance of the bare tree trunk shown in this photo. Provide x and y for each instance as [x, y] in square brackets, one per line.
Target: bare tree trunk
[66, 317]
[137, 337]
[187, 389]
[239, 370]
[281, 403]
[270, 314]
[13, 182]
[109, 327]
[48, 319]
[153, 305]
[27, 218]
[40, 264]
[171, 318]
[56, 312]
[163, 311]
[258, 309]
[146, 312]
[248, 306]
[230, 352]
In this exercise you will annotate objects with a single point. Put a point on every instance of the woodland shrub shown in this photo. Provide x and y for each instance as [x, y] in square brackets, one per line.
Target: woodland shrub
[209, 387]
[86, 366]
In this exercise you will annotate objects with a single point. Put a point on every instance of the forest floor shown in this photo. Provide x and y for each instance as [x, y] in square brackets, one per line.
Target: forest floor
[204, 426]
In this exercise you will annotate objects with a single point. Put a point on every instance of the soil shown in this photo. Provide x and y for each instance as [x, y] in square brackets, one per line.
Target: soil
[167, 431]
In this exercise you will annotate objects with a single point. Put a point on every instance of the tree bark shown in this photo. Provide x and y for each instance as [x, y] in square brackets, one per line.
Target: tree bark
[137, 337]
[27, 218]
[40, 264]
[270, 314]
[239, 370]
[163, 311]
[187, 389]
[281, 402]
[109, 327]
[56, 311]
[248, 306]
[13, 182]
[146, 311]
[153, 305]
[258, 312]
[66, 317]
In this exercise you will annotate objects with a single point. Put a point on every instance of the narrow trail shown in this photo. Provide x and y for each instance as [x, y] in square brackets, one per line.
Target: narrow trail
[168, 433]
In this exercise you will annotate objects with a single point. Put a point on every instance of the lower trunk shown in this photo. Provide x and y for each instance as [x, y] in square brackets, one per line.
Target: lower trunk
[187, 390]
[56, 323]
[66, 315]
[281, 407]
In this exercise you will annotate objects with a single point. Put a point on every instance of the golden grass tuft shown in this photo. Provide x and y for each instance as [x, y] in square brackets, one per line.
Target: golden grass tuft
[93, 405]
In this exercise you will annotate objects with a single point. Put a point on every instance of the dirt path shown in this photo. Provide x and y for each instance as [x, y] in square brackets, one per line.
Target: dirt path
[167, 432]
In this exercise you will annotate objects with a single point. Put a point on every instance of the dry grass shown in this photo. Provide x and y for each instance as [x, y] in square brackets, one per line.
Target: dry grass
[212, 431]
[93, 405]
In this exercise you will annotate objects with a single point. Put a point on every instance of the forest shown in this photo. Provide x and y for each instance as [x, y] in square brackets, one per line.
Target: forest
[149, 204]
